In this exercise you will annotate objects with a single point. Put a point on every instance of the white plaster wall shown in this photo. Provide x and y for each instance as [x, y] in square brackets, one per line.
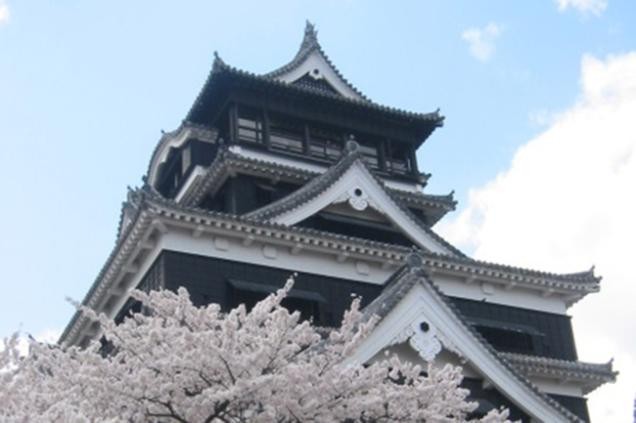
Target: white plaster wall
[497, 294]
[230, 248]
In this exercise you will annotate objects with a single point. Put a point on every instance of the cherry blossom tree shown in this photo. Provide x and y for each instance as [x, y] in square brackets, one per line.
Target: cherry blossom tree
[179, 363]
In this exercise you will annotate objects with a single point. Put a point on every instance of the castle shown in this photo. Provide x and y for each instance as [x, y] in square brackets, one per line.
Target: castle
[297, 171]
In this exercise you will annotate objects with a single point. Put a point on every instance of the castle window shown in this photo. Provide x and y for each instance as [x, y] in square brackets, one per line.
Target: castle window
[250, 125]
[325, 144]
[370, 153]
[511, 338]
[286, 135]
[186, 158]
[398, 158]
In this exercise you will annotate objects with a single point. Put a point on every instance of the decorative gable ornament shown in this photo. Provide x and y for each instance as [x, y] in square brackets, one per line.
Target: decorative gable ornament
[356, 198]
[422, 338]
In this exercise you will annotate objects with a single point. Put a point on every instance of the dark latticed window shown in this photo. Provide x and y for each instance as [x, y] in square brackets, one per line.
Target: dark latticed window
[250, 125]
[510, 340]
[286, 135]
[283, 133]
[370, 153]
[325, 143]
[398, 158]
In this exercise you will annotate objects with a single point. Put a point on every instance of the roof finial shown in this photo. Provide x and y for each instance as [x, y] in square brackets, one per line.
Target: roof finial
[351, 145]
[414, 260]
[218, 62]
[311, 36]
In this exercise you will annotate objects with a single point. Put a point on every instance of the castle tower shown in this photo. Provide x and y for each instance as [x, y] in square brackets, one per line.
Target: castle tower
[297, 171]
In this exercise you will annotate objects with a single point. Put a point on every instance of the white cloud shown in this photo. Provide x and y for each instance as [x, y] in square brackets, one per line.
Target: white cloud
[4, 12]
[567, 201]
[481, 41]
[586, 7]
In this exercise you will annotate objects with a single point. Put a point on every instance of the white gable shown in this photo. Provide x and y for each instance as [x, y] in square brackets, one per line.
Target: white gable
[423, 306]
[316, 66]
[360, 190]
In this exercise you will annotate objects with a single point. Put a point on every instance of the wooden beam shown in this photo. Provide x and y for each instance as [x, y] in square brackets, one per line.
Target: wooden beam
[233, 123]
[266, 130]
[306, 139]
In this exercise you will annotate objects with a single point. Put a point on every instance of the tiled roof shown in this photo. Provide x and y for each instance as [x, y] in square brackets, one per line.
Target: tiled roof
[414, 272]
[307, 46]
[592, 375]
[219, 68]
[148, 205]
[193, 130]
[482, 268]
[317, 185]
[226, 160]
[581, 282]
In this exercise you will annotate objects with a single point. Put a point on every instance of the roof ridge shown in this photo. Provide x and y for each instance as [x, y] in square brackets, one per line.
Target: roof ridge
[220, 66]
[585, 276]
[309, 44]
[608, 366]
[314, 186]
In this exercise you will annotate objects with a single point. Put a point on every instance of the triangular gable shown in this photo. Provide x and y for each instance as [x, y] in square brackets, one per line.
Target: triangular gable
[351, 182]
[411, 309]
[311, 63]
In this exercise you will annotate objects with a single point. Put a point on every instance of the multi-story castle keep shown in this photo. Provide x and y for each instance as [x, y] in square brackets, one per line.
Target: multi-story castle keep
[297, 171]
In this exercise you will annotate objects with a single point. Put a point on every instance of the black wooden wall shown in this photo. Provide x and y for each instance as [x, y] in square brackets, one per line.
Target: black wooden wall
[507, 328]
[215, 280]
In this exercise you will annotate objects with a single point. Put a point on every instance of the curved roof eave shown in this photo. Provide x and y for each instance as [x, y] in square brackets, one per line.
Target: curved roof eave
[309, 45]
[219, 68]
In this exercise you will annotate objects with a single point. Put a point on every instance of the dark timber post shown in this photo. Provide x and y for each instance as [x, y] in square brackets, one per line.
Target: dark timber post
[233, 122]
[266, 138]
[306, 139]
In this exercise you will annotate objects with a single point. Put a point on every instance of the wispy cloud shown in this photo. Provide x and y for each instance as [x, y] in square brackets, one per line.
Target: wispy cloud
[481, 41]
[586, 7]
[566, 202]
[4, 12]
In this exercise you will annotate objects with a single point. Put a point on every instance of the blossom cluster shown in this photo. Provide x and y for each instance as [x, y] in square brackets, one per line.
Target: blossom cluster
[177, 362]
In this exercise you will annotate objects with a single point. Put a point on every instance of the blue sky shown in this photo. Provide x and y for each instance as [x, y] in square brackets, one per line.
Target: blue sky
[86, 87]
